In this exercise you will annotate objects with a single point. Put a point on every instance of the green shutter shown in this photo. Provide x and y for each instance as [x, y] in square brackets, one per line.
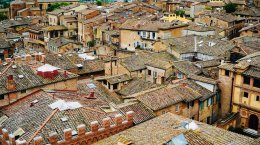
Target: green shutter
[201, 105]
[218, 97]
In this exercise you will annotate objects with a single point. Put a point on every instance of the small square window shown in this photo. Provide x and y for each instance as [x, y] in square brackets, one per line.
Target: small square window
[23, 91]
[149, 72]
[246, 94]
[2, 97]
[246, 80]
[256, 83]
[226, 73]
[257, 98]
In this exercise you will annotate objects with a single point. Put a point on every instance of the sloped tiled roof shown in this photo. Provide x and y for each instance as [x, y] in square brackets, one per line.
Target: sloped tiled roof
[61, 61]
[28, 118]
[142, 113]
[30, 78]
[115, 78]
[147, 25]
[160, 98]
[185, 44]
[137, 62]
[202, 79]
[4, 44]
[135, 86]
[208, 63]
[253, 72]
[186, 67]
[163, 128]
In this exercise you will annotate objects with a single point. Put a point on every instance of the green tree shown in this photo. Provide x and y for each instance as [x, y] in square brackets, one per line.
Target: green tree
[99, 3]
[57, 6]
[230, 7]
[180, 13]
[3, 17]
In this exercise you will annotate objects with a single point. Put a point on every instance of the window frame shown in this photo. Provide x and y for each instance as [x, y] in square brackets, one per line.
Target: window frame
[244, 94]
[256, 85]
[2, 97]
[246, 78]
[227, 73]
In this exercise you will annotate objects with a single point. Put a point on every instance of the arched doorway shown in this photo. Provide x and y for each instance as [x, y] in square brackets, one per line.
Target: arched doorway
[253, 122]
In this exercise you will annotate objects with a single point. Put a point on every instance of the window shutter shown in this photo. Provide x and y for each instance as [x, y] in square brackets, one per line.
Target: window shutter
[201, 105]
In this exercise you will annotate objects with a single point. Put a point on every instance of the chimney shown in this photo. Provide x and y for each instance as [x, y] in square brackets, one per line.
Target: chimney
[92, 94]
[43, 58]
[184, 84]
[28, 57]
[10, 83]
[8, 59]
[65, 74]
[195, 43]
[18, 59]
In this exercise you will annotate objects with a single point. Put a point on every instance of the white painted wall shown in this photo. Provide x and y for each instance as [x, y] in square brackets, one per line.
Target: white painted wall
[209, 87]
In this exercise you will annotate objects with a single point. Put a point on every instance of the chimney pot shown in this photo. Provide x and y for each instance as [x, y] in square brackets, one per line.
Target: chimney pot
[65, 74]
[92, 94]
[10, 83]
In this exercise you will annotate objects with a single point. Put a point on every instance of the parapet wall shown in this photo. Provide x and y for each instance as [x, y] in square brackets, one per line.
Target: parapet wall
[82, 137]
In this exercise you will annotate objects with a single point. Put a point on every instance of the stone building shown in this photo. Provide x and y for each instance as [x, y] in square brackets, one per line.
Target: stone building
[19, 80]
[184, 97]
[25, 8]
[231, 24]
[62, 45]
[145, 33]
[239, 84]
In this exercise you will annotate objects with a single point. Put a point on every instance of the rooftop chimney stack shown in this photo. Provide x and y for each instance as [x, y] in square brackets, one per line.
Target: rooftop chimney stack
[195, 43]
[92, 94]
[65, 74]
[10, 83]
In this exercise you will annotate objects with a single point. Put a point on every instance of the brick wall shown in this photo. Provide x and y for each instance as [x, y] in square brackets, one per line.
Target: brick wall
[83, 137]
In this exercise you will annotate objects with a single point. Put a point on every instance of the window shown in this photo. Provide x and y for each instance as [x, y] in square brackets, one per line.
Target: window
[149, 72]
[209, 101]
[256, 83]
[201, 105]
[208, 120]
[179, 75]
[154, 74]
[23, 91]
[257, 98]
[245, 94]
[246, 80]
[114, 86]
[177, 108]
[226, 73]
[2, 97]
[190, 104]
[140, 71]
[138, 33]
[217, 97]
